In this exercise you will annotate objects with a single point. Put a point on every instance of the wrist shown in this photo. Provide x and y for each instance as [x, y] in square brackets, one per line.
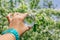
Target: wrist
[22, 30]
[12, 31]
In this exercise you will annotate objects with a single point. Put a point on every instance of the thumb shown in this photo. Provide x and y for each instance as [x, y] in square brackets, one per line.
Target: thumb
[25, 15]
[9, 17]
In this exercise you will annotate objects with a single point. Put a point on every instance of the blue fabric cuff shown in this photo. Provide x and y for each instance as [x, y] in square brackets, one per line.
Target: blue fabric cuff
[13, 31]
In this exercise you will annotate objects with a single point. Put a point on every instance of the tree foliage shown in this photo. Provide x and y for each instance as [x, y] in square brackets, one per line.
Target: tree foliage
[47, 21]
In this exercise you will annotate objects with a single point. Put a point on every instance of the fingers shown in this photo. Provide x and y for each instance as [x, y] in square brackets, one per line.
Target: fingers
[9, 17]
[16, 13]
[20, 14]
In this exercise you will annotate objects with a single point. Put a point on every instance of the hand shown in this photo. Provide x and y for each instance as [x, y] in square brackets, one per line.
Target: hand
[16, 21]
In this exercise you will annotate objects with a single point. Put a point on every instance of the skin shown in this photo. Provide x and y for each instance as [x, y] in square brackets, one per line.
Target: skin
[15, 21]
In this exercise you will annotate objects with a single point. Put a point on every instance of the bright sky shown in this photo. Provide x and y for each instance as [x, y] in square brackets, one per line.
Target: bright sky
[55, 2]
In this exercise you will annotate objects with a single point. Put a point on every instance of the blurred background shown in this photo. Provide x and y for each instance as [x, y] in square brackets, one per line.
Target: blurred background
[47, 17]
